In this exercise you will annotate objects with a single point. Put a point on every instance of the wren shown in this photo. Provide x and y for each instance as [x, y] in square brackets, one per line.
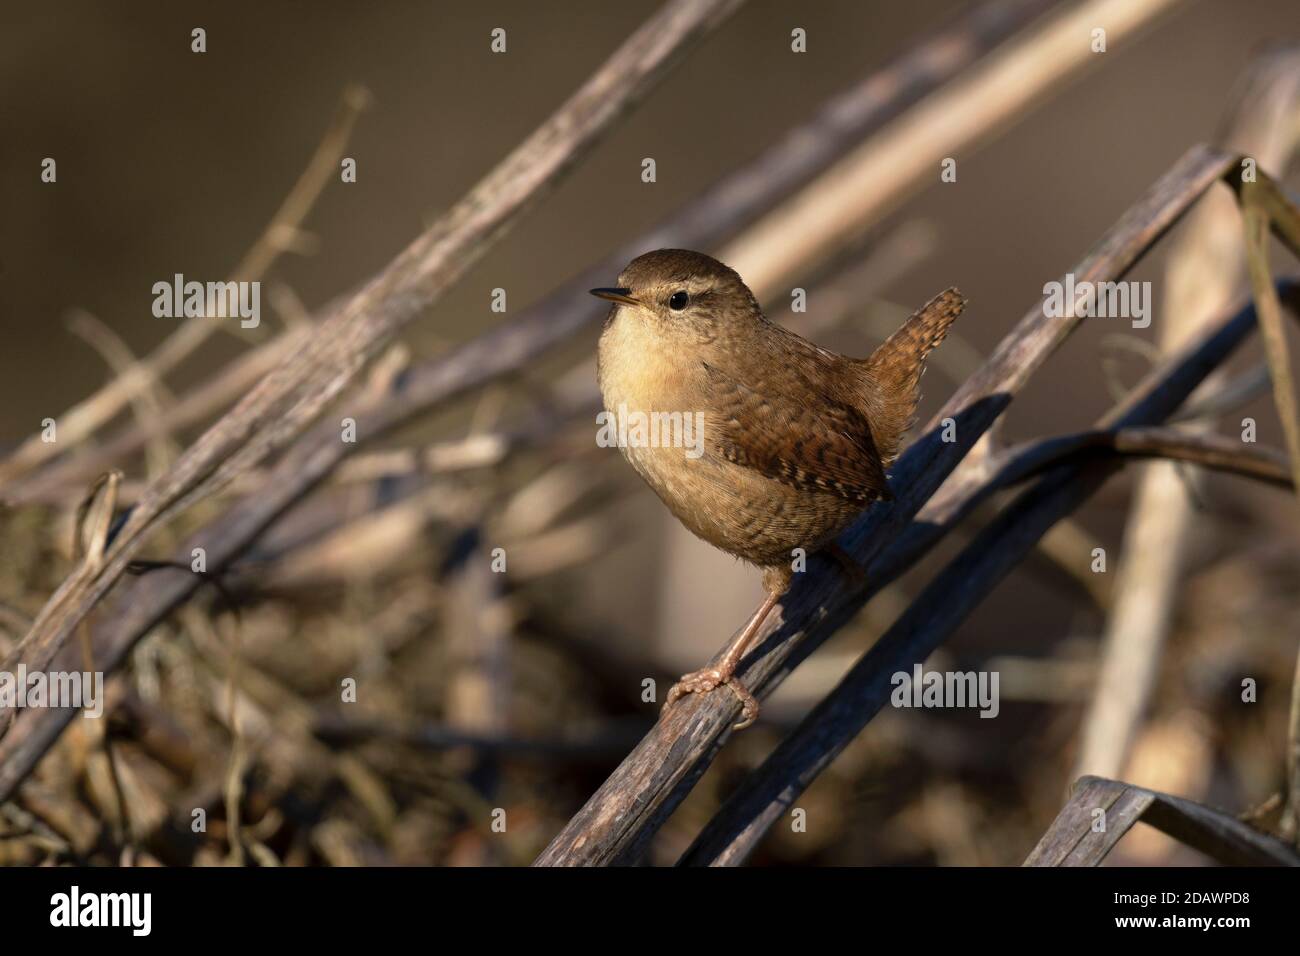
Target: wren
[795, 439]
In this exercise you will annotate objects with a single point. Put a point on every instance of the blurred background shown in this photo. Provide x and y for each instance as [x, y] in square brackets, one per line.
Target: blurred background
[523, 691]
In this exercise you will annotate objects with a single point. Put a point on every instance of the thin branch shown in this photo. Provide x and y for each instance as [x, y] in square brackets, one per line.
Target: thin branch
[1265, 208]
[1258, 216]
[148, 403]
[1215, 452]
[64, 476]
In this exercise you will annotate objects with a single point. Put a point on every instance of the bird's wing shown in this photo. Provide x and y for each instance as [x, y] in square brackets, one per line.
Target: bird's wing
[795, 433]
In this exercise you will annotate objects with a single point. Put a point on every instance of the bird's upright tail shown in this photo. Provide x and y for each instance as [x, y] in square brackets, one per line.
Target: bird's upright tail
[893, 372]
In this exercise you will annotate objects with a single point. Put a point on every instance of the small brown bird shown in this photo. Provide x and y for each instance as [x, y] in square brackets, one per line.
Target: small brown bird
[793, 440]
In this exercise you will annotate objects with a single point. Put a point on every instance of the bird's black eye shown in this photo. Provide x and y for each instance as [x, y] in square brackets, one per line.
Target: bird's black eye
[677, 301]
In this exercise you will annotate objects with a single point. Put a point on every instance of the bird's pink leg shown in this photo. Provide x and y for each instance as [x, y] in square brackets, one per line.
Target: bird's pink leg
[706, 679]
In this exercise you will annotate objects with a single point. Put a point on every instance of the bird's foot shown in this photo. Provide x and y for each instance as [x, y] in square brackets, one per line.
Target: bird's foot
[705, 680]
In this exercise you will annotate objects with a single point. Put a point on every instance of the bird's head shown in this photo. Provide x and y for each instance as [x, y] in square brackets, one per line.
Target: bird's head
[684, 296]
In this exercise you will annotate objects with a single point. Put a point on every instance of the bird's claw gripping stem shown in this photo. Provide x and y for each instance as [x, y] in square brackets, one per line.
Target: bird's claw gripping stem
[707, 679]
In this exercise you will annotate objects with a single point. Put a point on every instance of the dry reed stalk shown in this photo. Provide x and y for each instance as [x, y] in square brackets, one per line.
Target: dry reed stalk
[1074, 840]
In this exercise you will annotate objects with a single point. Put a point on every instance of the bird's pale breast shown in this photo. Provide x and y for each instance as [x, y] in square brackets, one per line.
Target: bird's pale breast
[731, 506]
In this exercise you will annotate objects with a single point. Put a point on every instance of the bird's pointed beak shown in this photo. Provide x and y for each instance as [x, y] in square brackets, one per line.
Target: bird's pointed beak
[615, 295]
